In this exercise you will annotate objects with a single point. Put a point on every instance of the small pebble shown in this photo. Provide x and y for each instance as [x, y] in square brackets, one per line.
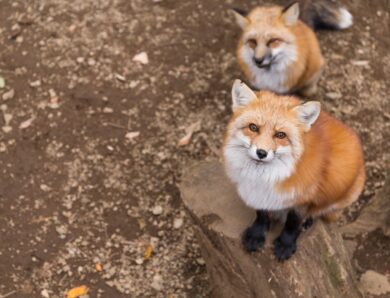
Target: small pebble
[177, 223]
[35, 84]
[7, 129]
[157, 282]
[45, 293]
[108, 110]
[157, 210]
[200, 261]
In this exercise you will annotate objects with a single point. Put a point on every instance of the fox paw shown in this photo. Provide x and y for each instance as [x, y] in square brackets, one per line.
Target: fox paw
[253, 238]
[283, 251]
[308, 223]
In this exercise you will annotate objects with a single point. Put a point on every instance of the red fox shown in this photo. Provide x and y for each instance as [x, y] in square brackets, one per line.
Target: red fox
[285, 155]
[279, 52]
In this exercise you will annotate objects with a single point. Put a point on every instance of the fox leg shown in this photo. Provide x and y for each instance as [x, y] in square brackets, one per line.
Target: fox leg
[332, 216]
[254, 236]
[311, 87]
[309, 90]
[286, 244]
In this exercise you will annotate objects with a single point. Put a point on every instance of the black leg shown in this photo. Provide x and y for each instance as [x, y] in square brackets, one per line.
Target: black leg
[254, 236]
[285, 245]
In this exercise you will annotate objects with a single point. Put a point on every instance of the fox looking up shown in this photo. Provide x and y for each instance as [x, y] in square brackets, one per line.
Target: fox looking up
[287, 156]
[278, 49]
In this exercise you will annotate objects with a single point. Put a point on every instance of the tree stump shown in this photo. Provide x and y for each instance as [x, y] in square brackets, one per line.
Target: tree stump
[320, 267]
[375, 215]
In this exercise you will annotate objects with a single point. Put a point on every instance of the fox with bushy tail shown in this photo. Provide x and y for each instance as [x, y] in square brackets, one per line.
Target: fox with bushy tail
[278, 49]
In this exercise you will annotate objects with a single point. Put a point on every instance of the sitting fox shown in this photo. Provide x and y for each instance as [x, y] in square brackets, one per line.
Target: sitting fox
[278, 50]
[288, 156]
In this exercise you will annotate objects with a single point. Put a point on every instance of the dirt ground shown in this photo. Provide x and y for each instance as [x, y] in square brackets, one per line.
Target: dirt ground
[88, 147]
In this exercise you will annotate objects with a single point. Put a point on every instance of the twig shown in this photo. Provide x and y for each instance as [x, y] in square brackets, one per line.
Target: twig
[8, 294]
[113, 125]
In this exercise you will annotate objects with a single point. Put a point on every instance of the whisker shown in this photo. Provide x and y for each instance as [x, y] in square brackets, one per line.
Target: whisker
[236, 146]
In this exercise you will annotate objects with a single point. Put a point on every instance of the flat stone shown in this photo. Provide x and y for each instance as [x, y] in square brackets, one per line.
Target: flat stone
[374, 283]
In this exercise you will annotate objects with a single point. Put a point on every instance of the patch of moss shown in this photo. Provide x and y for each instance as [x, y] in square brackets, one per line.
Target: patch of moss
[334, 271]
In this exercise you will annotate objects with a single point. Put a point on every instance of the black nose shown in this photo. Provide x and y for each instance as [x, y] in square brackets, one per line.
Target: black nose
[259, 61]
[261, 153]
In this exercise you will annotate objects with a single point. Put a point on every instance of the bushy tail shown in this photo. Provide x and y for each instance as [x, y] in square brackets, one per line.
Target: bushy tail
[325, 14]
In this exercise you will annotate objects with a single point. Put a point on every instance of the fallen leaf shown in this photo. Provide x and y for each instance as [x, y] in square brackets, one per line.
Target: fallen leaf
[190, 130]
[25, 124]
[120, 77]
[7, 128]
[9, 95]
[35, 84]
[108, 110]
[141, 58]
[185, 140]
[98, 267]
[148, 252]
[132, 135]
[77, 292]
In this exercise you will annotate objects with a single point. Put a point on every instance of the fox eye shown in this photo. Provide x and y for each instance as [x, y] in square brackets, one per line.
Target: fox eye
[280, 135]
[252, 43]
[253, 127]
[274, 42]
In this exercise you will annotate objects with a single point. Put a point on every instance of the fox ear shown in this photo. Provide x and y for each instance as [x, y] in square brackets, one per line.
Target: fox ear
[290, 14]
[308, 113]
[241, 18]
[241, 94]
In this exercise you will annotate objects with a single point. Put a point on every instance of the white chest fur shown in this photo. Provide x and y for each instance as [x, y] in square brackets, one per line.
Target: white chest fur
[272, 79]
[260, 194]
[257, 183]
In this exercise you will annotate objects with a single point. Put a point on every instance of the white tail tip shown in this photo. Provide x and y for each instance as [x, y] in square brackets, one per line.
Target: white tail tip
[346, 19]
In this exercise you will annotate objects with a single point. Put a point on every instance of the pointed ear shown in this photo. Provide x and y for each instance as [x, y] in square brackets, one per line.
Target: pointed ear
[240, 16]
[241, 94]
[290, 14]
[308, 113]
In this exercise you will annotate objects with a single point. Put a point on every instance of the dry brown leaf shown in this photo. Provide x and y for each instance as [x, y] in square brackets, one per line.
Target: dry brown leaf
[141, 58]
[148, 252]
[190, 130]
[132, 135]
[27, 123]
[98, 267]
[185, 140]
[77, 292]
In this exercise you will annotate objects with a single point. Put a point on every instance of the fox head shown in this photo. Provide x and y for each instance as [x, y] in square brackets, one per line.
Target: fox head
[268, 41]
[267, 131]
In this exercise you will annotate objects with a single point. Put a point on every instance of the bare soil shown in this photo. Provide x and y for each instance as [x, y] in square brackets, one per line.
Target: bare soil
[76, 192]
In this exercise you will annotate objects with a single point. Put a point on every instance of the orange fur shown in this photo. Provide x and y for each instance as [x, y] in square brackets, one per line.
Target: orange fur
[329, 174]
[301, 75]
[331, 167]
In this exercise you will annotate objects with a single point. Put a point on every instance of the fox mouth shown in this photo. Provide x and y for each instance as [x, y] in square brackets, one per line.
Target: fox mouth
[258, 161]
[268, 65]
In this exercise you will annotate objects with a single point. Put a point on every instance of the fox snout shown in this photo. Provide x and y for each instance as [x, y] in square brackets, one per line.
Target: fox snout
[264, 61]
[262, 57]
[261, 153]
